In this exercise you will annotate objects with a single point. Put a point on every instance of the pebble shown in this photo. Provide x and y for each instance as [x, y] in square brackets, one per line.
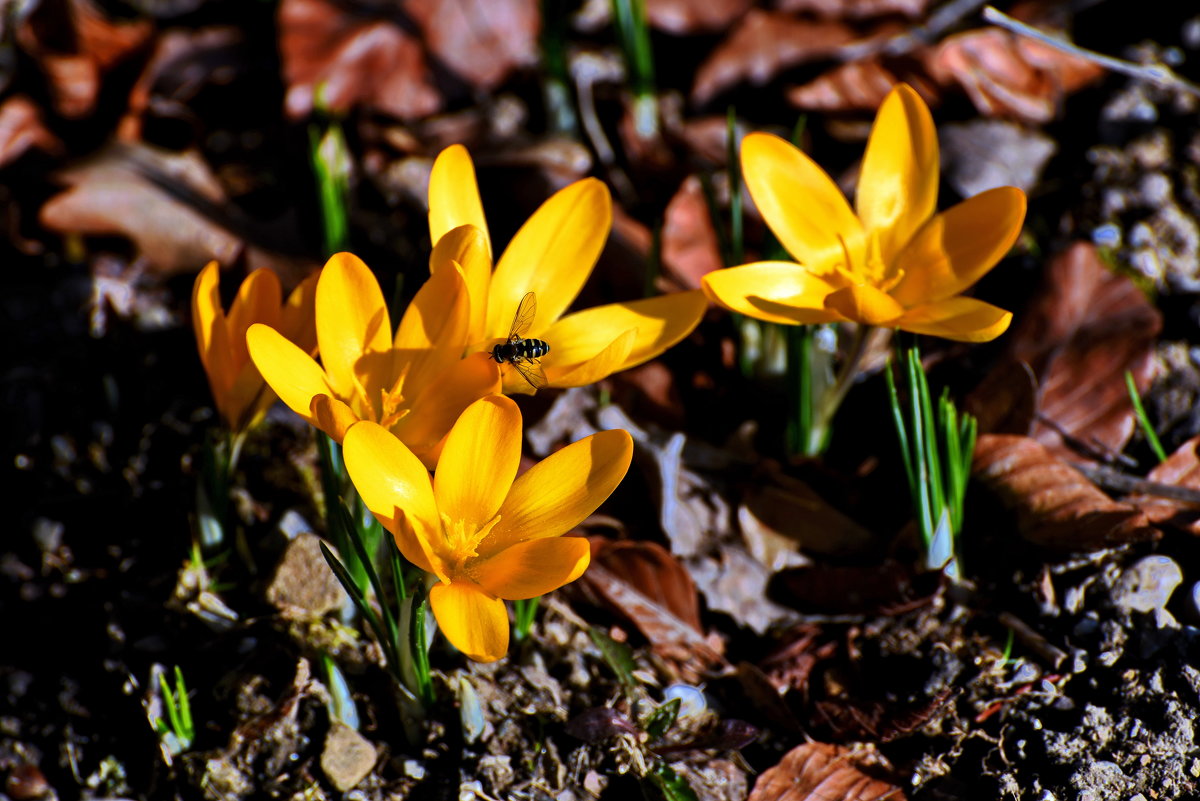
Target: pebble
[347, 757]
[303, 584]
[1147, 585]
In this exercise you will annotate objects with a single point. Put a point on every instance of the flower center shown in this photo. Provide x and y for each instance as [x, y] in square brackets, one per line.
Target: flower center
[874, 272]
[462, 540]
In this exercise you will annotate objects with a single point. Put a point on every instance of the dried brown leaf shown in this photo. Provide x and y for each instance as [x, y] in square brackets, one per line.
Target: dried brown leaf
[857, 86]
[183, 63]
[352, 61]
[75, 44]
[483, 41]
[890, 588]
[855, 9]
[1181, 469]
[122, 191]
[1006, 75]
[1005, 402]
[821, 772]
[21, 129]
[1086, 328]
[1056, 506]
[690, 249]
[645, 584]
[763, 44]
[793, 511]
[692, 16]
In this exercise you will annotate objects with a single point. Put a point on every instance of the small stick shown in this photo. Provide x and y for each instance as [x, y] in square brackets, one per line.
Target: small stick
[1158, 74]
[1120, 482]
[1032, 640]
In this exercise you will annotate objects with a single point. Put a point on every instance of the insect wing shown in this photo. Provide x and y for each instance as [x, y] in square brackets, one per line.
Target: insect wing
[533, 373]
[526, 311]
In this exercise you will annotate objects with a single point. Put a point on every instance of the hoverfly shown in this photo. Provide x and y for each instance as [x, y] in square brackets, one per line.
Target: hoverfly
[523, 354]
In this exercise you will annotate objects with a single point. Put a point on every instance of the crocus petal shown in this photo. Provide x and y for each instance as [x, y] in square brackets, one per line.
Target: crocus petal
[775, 291]
[479, 460]
[552, 255]
[602, 365]
[439, 403]
[212, 335]
[433, 332]
[533, 568]
[961, 319]
[331, 416]
[352, 319]
[557, 493]
[467, 247]
[473, 621]
[395, 486]
[863, 303]
[957, 247]
[299, 315]
[454, 196]
[291, 372]
[248, 396]
[659, 322]
[897, 188]
[258, 300]
[801, 204]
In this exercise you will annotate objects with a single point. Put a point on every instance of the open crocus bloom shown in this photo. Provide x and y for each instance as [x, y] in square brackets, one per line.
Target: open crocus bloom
[552, 256]
[413, 384]
[241, 395]
[487, 534]
[896, 263]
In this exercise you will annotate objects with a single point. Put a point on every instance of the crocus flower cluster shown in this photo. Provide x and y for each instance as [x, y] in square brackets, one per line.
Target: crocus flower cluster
[429, 396]
[426, 396]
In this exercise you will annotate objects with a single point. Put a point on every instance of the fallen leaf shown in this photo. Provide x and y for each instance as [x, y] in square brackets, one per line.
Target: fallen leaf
[983, 154]
[183, 63]
[136, 191]
[352, 61]
[96, 45]
[1005, 402]
[821, 772]
[1084, 330]
[1181, 469]
[763, 44]
[653, 572]
[890, 588]
[856, 86]
[1006, 75]
[1056, 506]
[483, 41]
[647, 586]
[693, 16]
[855, 9]
[21, 130]
[690, 249]
[776, 503]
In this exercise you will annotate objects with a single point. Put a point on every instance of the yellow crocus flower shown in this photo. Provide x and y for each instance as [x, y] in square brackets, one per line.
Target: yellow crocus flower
[552, 256]
[412, 383]
[240, 394]
[895, 263]
[486, 533]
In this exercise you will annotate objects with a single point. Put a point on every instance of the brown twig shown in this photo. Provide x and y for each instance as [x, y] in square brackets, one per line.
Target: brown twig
[1157, 74]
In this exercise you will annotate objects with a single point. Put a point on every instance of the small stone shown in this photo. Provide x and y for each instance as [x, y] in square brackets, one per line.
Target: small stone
[1147, 584]
[303, 585]
[347, 758]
